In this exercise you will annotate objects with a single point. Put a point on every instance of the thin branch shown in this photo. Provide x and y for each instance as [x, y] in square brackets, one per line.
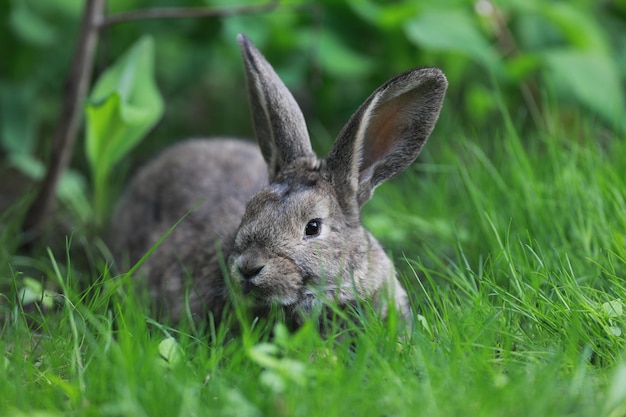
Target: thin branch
[76, 87]
[186, 13]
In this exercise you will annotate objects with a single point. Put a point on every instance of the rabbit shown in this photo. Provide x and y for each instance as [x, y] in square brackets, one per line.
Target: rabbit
[275, 223]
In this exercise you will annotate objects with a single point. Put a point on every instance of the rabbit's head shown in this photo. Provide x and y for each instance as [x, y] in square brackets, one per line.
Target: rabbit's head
[301, 239]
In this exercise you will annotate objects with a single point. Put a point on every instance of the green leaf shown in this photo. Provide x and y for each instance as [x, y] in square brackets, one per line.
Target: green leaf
[123, 106]
[72, 190]
[72, 187]
[593, 78]
[34, 292]
[451, 31]
[581, 29]
[30, 26]
[264, 354]
[170, 351]
[114, 128]
[385, 15]
[522, 66]
[613, 308]
[27, 165]
[339, 60]
[18, 122]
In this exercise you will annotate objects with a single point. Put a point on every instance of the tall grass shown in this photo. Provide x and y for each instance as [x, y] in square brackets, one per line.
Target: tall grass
[514, 251]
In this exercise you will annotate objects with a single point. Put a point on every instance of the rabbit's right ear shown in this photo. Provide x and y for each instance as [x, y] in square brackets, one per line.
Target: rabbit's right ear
[386, 133]
[279, 125]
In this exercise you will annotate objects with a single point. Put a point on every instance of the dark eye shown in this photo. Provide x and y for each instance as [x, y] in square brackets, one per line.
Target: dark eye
[313, 228]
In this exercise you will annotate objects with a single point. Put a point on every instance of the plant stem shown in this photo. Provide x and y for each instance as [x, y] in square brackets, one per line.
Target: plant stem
[100, 199]
[76, 87]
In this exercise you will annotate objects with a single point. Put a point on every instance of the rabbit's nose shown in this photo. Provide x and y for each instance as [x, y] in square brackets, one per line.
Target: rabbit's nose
[248, 272]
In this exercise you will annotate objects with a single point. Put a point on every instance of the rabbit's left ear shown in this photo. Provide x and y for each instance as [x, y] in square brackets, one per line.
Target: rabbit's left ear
[279, 125]
[387, 132]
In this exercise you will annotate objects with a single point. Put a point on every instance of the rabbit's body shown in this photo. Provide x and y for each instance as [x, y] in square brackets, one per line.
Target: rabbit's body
[286, 222]
[217, 177]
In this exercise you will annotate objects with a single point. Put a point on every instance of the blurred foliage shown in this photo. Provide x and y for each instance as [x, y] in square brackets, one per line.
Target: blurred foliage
[541, 62]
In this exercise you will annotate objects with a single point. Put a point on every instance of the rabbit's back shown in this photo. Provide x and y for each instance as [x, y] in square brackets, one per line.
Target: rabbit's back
[212, 178]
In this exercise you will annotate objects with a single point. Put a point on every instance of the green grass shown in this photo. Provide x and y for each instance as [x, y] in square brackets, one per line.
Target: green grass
[515, 252]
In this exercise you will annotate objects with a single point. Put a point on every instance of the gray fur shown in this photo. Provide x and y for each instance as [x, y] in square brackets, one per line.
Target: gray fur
[277, 118]
[257, 204]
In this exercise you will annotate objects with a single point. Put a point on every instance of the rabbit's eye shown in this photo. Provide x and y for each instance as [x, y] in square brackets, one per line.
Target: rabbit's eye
[313, 228]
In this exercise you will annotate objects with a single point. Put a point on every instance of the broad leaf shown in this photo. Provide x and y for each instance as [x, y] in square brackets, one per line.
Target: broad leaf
[451, 31]
[30, 26]
[124, 105]
[582, 30]
[340, 61]
[592, 78]
[389, 15]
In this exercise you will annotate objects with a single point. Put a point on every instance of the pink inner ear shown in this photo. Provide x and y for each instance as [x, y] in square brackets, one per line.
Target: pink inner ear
[385, 129]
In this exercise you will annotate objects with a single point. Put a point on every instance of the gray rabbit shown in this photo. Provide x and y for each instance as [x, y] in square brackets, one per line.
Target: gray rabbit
[286, 223]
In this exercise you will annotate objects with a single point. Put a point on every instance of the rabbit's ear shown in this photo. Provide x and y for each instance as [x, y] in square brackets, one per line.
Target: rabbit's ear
[386, 133]
[279, 125]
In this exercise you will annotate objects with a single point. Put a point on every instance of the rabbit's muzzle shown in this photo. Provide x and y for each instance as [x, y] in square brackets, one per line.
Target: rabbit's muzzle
[248, 276]
[267, 281]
